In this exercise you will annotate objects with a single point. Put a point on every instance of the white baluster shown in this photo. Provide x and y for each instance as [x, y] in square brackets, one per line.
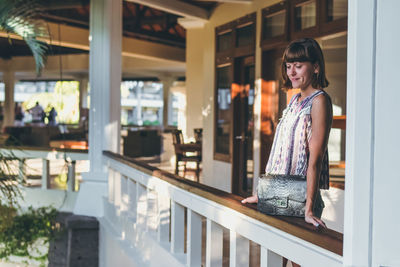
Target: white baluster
[45, 174]
[111, 185]
[152, 211]
[239, 250]
[193, 238]
[164, 206]
[124, 193]
[71, 176]
[214, 244]
[117, 189]
[270, 258]
[131, 210]
[177, 228]
[21, 171]
[141, 200]
[132, 201]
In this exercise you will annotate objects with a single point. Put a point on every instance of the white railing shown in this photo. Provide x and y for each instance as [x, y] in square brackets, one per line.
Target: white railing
[142, 208]
[47, 155]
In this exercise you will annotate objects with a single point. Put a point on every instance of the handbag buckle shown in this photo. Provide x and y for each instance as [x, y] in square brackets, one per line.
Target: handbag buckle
[281, 202]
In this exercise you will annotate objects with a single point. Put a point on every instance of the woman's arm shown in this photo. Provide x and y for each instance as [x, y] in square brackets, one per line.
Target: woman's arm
[321, 116]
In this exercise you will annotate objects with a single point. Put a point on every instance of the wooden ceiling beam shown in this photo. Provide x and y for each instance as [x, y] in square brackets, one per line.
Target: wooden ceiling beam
[228, 1]
[78, 38]
[176, 7]
[65, 4]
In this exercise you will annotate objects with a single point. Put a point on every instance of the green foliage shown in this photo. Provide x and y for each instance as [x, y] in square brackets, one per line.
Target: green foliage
[151, 123]
[20, 235]
[9, 190]
[22, 17]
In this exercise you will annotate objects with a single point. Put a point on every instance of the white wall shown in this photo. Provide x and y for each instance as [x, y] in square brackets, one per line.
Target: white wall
[386, 176]
[371, 228]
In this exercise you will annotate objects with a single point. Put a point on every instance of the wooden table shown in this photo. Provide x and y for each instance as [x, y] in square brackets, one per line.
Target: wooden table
[72, 144]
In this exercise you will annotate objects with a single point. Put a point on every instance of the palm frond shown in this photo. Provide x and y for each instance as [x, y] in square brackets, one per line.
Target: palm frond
[22, 17]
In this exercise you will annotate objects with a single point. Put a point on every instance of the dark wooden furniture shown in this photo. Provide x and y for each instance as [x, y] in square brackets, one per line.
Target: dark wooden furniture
[198, 134]
[30, 135]
[142, 143]
[186, 152]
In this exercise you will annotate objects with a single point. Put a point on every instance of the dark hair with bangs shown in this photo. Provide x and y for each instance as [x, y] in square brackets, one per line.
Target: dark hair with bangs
[305, 50]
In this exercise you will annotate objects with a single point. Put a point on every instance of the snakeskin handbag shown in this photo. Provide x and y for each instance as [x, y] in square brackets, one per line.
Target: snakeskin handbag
[282, 195]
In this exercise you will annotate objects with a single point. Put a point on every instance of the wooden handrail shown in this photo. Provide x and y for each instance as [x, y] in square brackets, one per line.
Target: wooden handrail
[325, 238]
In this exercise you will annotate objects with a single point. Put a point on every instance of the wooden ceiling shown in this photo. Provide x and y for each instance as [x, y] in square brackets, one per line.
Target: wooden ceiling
[139, 21]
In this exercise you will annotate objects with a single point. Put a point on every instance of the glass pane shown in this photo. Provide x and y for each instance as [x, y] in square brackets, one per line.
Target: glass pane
[223, 109]
[224, 41]
[274, 25]
[336, 9]
[245, 35]
[305, 15]
[249, 81]
[335, 54]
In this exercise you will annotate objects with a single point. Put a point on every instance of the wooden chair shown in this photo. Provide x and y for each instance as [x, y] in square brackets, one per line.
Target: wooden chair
[186, 152]
[198, 134]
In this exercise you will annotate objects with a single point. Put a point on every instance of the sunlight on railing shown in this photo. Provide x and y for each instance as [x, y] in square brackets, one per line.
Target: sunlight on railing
[159, 218]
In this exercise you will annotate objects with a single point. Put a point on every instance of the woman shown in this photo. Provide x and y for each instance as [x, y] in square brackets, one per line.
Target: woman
[301, 137]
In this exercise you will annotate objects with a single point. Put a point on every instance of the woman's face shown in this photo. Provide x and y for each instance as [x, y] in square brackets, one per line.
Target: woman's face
[300, 74]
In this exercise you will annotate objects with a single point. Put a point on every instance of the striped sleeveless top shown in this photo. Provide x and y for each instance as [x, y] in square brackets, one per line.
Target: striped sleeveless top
[290, 151]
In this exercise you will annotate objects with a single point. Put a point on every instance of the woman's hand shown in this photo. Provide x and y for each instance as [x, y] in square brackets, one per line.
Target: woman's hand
[252, 199]
[310, 218]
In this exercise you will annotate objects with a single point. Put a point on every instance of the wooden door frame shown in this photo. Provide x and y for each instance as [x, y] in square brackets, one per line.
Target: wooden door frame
[236, 180]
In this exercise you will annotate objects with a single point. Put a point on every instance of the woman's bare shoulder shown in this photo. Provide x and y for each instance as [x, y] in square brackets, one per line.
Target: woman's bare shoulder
[322, 101]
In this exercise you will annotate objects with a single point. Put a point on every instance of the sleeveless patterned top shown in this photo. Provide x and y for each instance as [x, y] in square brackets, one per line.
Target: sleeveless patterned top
[290, 151]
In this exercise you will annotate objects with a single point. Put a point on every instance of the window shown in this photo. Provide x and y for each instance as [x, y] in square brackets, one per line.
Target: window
[141, 102]
[234, 40]
[224, 41]
[336, 9]
[308, 18]
[223, 109]
[245, 35]
[274, 24]
[304, 19]
[333, 16]
[305, 15]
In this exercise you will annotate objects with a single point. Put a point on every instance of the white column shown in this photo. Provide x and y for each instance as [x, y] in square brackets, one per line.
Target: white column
[167, 83]
[105, 100]
[386, 176]
[194, 78]
[8, 109]
[139, 118]
[214, 244]
[257, 104]
[359, 132]
[83, 91]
